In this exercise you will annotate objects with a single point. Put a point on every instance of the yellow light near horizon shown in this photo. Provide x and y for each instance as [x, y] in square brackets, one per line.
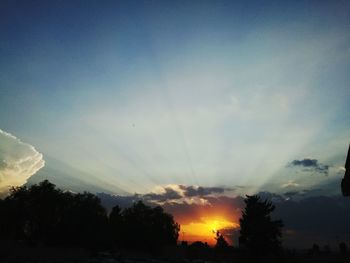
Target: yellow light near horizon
[205, 230]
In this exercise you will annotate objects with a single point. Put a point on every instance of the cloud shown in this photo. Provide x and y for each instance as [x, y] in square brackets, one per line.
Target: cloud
[184, 193]
[18, 161]
[340, 170]
[290, 184]
[290, 194]
[191, 191]
[168, 194]
[183, 205]
[109, 201]
[330, 214]
[310, 165]
[225, 206]
[318, 217]
[172, 195]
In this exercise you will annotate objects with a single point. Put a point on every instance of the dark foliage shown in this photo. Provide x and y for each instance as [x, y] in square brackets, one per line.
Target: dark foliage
[343, 248]
[315, 249]
[221, 243]
[143, 227]
[259, 234]
[43, 214]
[198, 250]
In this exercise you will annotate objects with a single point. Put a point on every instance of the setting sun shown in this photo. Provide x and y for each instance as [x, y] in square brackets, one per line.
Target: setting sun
[205, 229]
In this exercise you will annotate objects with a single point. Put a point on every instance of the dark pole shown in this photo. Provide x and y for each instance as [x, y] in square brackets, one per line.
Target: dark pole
[345, 183]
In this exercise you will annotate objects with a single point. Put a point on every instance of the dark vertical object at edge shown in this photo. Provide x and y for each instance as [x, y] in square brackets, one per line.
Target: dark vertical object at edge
[345, 183]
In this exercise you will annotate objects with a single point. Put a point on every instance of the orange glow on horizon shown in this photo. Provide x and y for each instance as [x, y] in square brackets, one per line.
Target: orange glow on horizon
[205, 229]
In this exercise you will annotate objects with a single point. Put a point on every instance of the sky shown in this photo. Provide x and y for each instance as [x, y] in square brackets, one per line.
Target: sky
[137, 97]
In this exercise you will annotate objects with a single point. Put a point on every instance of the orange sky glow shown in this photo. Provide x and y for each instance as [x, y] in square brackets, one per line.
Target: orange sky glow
[205, 229]
[199, 221]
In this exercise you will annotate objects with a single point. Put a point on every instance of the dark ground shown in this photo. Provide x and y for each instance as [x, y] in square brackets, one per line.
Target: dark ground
[17, 253]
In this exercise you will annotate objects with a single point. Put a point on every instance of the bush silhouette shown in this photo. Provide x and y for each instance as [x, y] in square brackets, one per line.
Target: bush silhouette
[259, 234]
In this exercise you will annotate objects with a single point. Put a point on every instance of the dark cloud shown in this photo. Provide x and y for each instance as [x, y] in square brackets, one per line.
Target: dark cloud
[304, 193]
[319, 217]
[169, 194]
[310, 165]
[178, 197]
[109, 200]
[176, 192]
[276, 198]
[312, 191]
[190, 191]
[305, 162]
[290, 194]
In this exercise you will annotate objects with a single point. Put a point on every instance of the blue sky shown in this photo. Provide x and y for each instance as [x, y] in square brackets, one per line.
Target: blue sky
[131, 96]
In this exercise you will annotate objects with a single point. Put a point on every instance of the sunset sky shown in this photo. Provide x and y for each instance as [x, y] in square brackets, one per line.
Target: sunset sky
[185, 103]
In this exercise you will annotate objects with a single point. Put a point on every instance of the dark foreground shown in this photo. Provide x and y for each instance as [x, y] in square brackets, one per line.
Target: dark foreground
[25, 254]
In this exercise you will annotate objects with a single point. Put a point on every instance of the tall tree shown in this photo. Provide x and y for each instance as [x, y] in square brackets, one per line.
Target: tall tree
[259, 233]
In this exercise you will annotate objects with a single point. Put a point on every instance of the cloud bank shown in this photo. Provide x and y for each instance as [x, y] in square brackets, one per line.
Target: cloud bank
[18, 161]
[179, 193]
[321, 219]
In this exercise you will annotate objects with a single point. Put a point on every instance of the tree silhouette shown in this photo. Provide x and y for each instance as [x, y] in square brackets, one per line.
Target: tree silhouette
[47, 215]
[343, 248]
[221, 243]
[144, 227]
[315, 249]
[44, 206]
[84, 221]
[44, 214]
[15, 208]
[259, 233]
[116, 224]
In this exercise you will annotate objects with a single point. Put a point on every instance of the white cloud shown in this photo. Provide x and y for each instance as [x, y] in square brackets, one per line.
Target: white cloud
[289, 184]
[18, 161]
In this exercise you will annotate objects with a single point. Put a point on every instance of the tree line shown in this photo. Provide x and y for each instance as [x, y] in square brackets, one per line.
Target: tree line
[45, 215]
